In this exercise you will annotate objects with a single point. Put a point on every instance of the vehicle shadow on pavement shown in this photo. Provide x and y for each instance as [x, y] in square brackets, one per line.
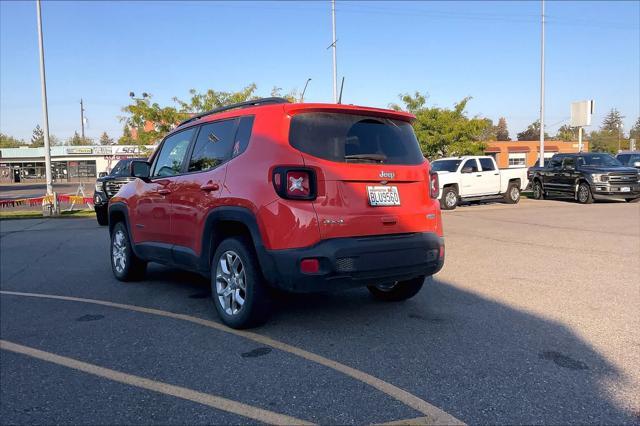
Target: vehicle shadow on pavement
[479, 360]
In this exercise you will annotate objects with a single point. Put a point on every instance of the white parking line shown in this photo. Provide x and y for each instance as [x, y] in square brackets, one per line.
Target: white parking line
[218, 402]
[434, 415]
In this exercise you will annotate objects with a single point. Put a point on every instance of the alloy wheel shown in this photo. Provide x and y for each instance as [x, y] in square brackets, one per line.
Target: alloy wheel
[231, 282]
[119, 251]
[451, 199]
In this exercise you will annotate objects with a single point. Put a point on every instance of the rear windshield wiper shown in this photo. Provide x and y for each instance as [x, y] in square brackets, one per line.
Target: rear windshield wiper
[376, 158]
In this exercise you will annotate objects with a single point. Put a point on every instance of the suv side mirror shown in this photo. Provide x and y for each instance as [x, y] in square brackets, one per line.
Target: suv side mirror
[569, 167]
[140, 169]
[636, 164]
[102, 174]
[467, 170]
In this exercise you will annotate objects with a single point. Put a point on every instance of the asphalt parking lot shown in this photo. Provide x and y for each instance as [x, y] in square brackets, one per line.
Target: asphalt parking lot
[534, 319]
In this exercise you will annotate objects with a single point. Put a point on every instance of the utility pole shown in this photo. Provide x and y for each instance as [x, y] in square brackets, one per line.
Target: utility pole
[542, 91]
[45, 111]
[333, 45]
[82, 119]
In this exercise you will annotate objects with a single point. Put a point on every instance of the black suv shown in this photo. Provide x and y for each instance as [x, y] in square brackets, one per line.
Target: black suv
[586, 176]
[107, 186]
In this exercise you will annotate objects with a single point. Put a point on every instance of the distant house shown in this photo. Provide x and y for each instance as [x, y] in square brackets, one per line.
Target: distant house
[526, 153]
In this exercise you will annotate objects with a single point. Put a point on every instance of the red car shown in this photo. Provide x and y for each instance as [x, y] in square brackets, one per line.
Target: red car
[270, 194]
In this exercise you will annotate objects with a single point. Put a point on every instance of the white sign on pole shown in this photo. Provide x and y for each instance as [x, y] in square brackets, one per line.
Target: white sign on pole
[581, 112]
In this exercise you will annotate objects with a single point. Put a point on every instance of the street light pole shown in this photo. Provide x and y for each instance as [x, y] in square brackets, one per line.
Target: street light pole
[45, 111]
[304, 90]
[82, 119]
[333, 46]
[542, 91]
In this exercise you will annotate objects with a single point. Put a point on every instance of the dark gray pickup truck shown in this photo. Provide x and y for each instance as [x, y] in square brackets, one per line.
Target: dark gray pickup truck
[584, 177]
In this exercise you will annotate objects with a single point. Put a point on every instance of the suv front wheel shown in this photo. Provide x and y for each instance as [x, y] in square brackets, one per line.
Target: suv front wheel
[400, 290]
[238, 289]
[126, 266]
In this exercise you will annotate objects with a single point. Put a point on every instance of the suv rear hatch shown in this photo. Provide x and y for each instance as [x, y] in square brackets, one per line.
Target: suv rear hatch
[372, 178]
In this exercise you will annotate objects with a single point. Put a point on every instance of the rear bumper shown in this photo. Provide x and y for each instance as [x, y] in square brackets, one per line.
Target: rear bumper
[355, 262]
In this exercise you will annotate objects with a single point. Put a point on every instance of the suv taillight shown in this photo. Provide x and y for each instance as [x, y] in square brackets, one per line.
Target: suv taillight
[295, 183]
[434, 185]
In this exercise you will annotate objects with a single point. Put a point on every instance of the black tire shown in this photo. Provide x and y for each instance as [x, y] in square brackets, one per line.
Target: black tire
[584, 195]
[126, 266]
[402, 290]
[632, 200]
[512, 196]
[256, 306]
[102, 216]
[538, 191]
[449, 200]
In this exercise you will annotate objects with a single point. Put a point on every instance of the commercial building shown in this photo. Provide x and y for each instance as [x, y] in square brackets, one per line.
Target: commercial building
[68, 163]
[526, 153]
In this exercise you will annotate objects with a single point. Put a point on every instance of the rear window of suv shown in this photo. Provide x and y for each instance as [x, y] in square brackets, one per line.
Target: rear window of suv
[350, 138]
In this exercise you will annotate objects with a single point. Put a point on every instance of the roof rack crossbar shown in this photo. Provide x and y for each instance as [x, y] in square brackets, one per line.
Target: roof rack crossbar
[246, 104]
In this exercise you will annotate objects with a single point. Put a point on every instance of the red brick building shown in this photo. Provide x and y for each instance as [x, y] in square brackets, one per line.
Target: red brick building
[526, 153]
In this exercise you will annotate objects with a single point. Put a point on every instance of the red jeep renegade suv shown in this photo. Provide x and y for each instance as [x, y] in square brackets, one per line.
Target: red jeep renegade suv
[300, 197]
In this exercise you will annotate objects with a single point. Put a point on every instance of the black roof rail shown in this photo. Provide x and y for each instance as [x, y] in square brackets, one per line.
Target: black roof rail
[246, 104]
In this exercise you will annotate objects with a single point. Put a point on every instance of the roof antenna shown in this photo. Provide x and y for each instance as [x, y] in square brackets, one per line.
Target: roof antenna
[341, 87]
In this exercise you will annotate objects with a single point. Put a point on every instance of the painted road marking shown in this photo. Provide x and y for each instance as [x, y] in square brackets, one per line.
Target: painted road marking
[218, 402]
[434, 415]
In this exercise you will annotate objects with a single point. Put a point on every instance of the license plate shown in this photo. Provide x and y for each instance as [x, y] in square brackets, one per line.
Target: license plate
[625, 189]
[383, 195]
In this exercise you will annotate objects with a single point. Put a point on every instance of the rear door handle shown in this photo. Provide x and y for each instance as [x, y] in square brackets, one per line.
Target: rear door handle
[210, 186]
[164, 191]
[389, 220]
[478, 175]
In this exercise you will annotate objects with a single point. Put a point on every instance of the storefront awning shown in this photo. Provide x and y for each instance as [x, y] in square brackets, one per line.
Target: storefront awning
[518, 149]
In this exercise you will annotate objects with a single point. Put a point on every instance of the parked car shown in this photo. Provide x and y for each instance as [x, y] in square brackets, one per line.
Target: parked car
[107, 185]
[270, 194]
[473, 178]
[585, 177]
[629, 158]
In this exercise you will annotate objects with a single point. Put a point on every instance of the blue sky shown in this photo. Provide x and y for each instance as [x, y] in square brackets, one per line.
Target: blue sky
[101, 51]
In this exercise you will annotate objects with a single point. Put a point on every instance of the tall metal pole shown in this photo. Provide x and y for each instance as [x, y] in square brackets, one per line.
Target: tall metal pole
[542, 91]
[45, 111]
[333, 46]
[82, 119]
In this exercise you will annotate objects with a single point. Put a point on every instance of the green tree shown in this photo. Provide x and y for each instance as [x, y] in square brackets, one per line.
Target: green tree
[77, 140]
[143, 113]
[291, 96]
[568, 133]
[502, 132]
[7, 141]
[612, 122]
[532, 133]
[202, 102]
[37, 138]
[105, 139]
[442, 131]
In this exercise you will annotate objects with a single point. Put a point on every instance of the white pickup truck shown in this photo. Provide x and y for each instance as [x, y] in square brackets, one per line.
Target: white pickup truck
[473, 178]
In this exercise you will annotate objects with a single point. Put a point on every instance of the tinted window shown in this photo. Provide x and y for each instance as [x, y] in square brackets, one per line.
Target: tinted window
[556, 161]
[243, 135]
[445, 165]
[355, 138]
[121, 168]
[213, 145]
[598, 160]
[471, 164]
[169, 160]
[486, 164]
[628, 159]
[569, 162]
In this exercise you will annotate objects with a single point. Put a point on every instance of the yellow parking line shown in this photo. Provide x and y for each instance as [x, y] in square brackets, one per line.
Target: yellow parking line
[434, 415]
[218, 402]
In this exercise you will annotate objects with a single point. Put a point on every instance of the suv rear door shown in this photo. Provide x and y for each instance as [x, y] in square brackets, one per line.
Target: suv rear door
[372, 177]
